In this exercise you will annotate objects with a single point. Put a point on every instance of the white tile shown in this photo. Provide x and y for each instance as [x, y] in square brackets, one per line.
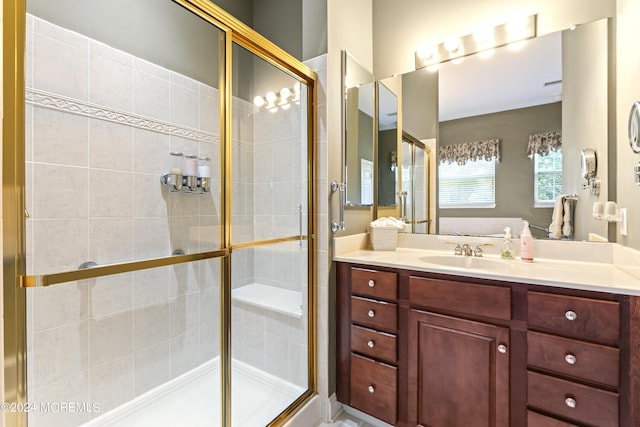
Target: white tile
[152, 367]
[61, 34]
[56, 193]
[113, 54]
[150, 199]
[59, 245]
[60, 353]
[151, 287]
[74, 388]
[184, 279]
[185, 352]
[110, 294]
[110, 83]
[60, 138]
[151, 238]
[209, 112]
[152, 96]
[111, 240]
[112, 384]
[110, 193]
[185, 314]
[110, 338]
[185, 106]
[209, 324]
[59, 305]
[61, 68]
[151, 152]
[152, 325]
[151, 68]
[110, 145]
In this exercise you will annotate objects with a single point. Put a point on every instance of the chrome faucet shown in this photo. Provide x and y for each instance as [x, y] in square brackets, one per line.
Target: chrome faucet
[466, 250]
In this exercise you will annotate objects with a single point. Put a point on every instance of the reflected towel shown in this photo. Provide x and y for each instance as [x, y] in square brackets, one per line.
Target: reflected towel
[567, 227]
[557, 218]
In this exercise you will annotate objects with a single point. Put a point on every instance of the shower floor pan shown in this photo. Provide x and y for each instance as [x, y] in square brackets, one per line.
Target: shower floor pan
[193, 400]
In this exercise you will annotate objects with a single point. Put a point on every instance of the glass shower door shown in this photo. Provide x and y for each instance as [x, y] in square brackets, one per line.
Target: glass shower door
[270, 242]
[124, 326]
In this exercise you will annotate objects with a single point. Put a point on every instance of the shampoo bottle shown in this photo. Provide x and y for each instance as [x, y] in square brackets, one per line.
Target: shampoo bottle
[526, 243]
[507, 245]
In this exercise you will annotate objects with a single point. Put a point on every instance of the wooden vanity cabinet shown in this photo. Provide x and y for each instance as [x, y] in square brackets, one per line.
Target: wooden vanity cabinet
[367, 319]
[454, 351]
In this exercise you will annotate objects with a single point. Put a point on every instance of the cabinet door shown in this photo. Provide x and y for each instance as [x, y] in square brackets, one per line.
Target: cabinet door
[458, 372]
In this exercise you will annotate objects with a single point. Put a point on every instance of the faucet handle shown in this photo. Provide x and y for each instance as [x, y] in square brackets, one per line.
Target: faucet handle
[478, 250]
[458, 249]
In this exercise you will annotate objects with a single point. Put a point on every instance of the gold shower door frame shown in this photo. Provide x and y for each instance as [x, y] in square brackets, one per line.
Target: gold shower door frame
[15, 280]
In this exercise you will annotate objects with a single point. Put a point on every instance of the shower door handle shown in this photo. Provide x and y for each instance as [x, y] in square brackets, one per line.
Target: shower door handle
[339, 186]
[300, 215]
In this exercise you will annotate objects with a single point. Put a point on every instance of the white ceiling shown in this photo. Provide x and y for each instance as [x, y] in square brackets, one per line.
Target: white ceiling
[507, 80]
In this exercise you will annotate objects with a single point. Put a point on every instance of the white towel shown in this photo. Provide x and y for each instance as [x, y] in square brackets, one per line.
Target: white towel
[557, 218]
[567, 227]
[388, 222]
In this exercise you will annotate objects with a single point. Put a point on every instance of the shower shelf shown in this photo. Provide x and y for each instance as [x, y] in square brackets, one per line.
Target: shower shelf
[272, 298]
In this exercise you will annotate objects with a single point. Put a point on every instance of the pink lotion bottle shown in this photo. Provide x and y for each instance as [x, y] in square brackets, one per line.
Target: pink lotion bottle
[526, 243]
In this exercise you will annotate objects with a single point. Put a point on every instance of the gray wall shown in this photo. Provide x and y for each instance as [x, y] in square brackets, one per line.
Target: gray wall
[158, 37]
[420, 104]
[514, 173]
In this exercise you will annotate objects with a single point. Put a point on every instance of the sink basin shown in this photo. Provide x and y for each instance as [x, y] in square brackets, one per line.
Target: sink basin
[460, 261]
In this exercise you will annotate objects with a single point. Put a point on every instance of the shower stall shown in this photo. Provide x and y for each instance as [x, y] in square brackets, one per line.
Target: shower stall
[158, 215]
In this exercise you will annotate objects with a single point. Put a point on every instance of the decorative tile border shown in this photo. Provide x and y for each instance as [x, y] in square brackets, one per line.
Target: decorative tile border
[74, 106]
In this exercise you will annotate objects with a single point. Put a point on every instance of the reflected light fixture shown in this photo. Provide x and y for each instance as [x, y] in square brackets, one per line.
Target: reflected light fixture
[282, 99]
[483, 40]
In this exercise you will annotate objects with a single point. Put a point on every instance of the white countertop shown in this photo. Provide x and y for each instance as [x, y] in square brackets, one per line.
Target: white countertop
[587, 275]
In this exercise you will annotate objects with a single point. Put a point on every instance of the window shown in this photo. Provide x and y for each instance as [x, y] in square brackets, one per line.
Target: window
[547, 179]
[471, 185]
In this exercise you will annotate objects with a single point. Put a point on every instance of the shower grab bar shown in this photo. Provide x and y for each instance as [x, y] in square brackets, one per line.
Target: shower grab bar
[339, 186]
[27, 281]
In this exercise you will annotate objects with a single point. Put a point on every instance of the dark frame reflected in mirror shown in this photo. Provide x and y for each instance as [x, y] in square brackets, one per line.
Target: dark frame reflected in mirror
[358, 128]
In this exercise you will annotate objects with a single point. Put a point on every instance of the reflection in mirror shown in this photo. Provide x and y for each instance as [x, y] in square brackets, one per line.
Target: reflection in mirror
[358, 132]
[387, 142]
[556, 83]
[415, 188]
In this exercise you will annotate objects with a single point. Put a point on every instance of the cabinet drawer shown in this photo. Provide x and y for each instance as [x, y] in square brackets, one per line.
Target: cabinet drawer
[573, 401]
[379, 345]
[378, 314]
[538, 420]
[480, 300]
[374, 388]
[377, 284]
[586, 318]
[592, 362]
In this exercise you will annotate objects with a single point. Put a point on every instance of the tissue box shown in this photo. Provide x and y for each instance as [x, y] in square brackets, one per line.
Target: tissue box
[383, 238]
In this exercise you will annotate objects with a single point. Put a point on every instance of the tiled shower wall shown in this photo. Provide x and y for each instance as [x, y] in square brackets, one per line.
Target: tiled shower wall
[99, 126]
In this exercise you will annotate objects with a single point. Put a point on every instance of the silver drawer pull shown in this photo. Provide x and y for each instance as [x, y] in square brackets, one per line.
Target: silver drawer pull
[372, 389]
[570, 402]
[571, 315]
[371, 344]
[502, 348]
[570, 359]
[371, 313]
[372, 283]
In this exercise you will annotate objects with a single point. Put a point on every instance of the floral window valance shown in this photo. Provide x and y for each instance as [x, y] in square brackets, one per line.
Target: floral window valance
[469, 151]
[543, 143]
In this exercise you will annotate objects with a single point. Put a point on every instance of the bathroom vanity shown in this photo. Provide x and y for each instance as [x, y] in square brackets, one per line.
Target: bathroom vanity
[420, 344]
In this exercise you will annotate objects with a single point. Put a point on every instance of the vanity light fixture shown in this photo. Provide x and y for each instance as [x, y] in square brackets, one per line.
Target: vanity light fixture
[482, 41]
[283, 99]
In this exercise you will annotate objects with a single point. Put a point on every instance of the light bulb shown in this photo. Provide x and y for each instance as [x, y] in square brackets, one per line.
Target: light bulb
[285, 93]
[426, 53]
[484, 38]
[452, 44]
[296, 87]
[258, 101]
[271, 97]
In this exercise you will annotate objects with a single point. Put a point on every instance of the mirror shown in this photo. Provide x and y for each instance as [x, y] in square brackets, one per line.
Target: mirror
[566, 91]
[387, 140]
[358, 128]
